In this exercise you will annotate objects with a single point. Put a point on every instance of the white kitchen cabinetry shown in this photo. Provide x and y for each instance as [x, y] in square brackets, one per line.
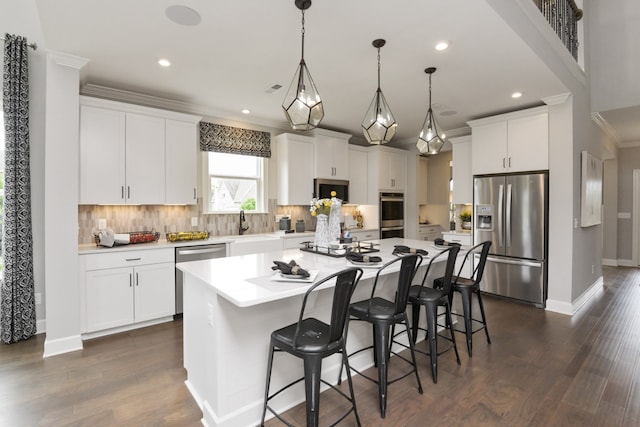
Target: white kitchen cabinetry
[462, 175]
[124, 149]
[144, 159]
[358, 169]
[364, 235]
[429, 232]
[295, 169]
[181, 174]
[127, 288]
[387, 171]
[466, 240]
[255, 245]
[421, 185]
[512, 142]
[331, 154]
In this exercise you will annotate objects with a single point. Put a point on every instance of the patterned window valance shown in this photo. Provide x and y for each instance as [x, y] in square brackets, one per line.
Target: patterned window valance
[227, 139]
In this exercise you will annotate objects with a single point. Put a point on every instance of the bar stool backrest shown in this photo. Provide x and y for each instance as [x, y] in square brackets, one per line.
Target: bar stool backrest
[478, 271]
[451, 253]
[408, 266]
[346, 281]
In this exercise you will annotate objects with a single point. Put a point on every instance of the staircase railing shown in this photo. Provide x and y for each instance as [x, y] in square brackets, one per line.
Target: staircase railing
[563, 16]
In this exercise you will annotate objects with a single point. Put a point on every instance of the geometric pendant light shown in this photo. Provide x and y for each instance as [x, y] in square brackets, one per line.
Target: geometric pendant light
[302, 104]
[431, 138]
[379, 125]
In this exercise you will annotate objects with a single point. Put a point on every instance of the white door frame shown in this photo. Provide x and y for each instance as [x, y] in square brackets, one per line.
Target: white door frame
[635, 256]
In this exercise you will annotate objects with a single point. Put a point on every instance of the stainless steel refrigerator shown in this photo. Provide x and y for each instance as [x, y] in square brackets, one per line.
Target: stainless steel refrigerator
[511, 211]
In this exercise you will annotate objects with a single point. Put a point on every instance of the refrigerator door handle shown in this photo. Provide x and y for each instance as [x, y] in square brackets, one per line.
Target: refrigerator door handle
[508, 215]
[500, 208]
[515, 261]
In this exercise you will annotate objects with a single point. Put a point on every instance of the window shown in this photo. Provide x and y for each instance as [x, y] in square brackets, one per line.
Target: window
[235, 182]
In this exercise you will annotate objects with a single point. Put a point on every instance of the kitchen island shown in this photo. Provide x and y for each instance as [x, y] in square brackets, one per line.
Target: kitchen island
[231, 306]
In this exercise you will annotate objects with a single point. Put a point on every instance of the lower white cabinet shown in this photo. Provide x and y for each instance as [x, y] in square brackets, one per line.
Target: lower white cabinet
[363, 235]
[125, 288]
[429, 232]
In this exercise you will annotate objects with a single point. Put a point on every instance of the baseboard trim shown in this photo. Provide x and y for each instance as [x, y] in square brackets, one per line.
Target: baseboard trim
[573, 307]
[62, 345]
[97, 334]
[610, 262]
[626, 263]
[41, 326]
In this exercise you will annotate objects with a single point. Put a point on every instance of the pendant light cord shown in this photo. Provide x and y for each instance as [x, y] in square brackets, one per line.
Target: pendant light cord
[429, 91]
[378, 68]
[302, 57]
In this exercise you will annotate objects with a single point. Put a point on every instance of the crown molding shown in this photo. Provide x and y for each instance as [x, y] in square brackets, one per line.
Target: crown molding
[607, 129]
[67, 60]
[556, 99]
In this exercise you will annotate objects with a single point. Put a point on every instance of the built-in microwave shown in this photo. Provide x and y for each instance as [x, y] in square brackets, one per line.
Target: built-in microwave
[322, 189]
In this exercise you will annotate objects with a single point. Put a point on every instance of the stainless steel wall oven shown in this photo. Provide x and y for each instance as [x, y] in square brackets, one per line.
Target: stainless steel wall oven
[391, 215]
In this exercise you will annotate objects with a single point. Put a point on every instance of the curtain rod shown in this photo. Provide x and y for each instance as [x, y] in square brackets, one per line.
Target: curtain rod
[31, 45]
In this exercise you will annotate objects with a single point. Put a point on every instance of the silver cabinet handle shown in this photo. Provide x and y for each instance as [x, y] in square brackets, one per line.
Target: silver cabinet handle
[128, 192]
[136, 278]
[122, 191]
[130, 280]
[133, 259]
[194, 194]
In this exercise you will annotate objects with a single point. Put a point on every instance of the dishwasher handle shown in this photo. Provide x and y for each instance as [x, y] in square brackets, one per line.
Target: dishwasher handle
[208, 250]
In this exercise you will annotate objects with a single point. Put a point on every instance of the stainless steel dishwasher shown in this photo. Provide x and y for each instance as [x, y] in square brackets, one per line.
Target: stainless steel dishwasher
[194, 253]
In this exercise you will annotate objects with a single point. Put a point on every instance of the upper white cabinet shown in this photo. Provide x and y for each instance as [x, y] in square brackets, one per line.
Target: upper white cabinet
[512, 142]
[295, 168]
[421, 185]
[137, 155]
[358, 170]
[331, 154]
[181, 177]
[462, 175]
[387, 171]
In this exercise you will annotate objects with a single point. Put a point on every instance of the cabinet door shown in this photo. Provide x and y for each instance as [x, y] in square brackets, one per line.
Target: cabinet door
[462, 177]
[528, 143]
[102, 156]
[358, 171]
[154, 291]
[181, 149]
[397, 164]
[421, 185]
[145, 159]
[489, 148]
[331, 157]
[295, 170]
[109, 296]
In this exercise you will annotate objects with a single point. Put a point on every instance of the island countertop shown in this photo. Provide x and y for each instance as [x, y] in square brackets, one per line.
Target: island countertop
[249, 280]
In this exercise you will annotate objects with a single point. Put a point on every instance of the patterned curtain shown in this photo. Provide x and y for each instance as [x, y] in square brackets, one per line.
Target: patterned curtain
[227, 139]
[17, 309]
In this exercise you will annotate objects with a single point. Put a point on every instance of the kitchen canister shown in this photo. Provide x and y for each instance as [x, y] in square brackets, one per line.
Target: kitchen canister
[285, 223]
[300, 226]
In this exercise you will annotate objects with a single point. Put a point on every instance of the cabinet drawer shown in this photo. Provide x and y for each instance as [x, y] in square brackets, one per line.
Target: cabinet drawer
[127, 258]
[463, 239]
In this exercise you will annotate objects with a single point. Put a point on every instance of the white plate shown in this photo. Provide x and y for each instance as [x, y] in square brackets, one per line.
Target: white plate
[278, 277]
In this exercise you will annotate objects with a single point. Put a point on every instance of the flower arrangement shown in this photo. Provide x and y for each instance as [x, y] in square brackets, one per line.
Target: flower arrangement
[465, 216]
[322, 206]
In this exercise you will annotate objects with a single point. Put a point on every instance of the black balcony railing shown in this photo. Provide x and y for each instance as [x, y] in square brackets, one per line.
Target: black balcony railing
[563, 16]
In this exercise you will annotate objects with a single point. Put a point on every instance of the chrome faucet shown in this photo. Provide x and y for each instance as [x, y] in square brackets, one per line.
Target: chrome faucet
[242, 229]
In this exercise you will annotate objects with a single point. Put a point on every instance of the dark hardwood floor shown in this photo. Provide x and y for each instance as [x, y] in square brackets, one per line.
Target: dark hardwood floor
[543, 369]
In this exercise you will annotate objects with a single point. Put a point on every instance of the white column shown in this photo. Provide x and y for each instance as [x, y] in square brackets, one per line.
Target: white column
[61, 204]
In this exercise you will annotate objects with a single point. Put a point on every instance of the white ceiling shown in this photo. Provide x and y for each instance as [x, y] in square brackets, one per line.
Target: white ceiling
[241, 48]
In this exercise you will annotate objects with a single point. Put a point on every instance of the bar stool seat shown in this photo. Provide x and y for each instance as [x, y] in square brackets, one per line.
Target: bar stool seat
[312, 340]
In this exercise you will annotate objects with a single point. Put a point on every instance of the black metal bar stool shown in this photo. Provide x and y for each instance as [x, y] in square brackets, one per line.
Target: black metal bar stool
[383, 315]
[431, 298]
[312, 340]
[467, 287]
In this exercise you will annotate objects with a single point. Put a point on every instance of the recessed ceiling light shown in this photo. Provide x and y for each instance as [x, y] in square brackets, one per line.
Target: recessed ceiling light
[442, 45]
[516, 94]
[164, 62]
[245, 111]
[183, 15]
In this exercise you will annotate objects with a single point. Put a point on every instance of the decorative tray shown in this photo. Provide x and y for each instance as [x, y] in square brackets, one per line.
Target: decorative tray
[342, 250]
[133, 238]
[187, 235]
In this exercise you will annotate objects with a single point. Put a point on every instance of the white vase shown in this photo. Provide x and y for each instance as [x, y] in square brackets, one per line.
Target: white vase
[322, 236]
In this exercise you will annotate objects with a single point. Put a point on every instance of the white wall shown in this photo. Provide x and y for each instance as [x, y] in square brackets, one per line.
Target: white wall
[628, 160]
[614, 31]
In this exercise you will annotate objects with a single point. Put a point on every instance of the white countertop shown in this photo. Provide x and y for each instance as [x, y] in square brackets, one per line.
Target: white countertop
[247, 280]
